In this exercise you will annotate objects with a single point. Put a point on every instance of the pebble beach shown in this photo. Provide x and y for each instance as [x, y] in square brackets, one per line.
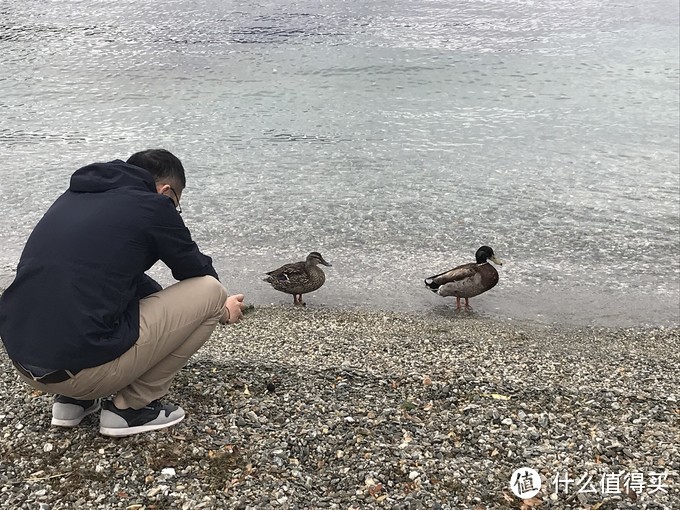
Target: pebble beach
[302, 408]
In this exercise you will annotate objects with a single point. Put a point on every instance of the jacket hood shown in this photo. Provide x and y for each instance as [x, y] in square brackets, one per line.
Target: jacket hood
[99, 177]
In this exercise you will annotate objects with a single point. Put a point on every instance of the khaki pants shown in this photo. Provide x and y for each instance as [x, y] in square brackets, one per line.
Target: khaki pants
[174, 323]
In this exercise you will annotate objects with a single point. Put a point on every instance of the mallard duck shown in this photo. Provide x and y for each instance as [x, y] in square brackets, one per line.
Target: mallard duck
[468, 280]
[299, 278]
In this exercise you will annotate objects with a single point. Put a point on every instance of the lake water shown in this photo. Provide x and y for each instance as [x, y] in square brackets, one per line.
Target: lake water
[393, 137]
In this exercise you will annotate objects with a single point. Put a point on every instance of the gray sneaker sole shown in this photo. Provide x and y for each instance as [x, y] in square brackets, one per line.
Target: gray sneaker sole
[130, 431]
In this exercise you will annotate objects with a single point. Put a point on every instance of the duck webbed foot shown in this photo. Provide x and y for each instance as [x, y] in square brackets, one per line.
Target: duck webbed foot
[297, 300]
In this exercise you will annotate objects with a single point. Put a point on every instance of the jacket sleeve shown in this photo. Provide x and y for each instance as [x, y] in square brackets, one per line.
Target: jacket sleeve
[146, 286]
[175, 247]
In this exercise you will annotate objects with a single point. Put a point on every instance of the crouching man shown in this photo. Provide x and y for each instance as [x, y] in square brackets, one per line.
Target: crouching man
[83, 321]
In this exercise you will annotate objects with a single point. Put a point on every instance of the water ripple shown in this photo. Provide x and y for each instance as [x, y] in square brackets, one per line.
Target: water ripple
[394, 137]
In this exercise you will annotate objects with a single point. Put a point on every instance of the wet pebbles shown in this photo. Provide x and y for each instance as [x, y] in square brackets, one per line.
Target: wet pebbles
[305, 408]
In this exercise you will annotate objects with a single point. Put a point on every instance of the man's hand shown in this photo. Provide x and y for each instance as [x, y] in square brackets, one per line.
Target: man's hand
[233, 309]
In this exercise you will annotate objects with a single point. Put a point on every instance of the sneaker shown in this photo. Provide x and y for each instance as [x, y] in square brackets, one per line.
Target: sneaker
[125, 422]
[69, 412]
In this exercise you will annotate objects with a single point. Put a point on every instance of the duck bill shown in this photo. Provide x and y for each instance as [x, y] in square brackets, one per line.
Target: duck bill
[326, 263]
[495, 260]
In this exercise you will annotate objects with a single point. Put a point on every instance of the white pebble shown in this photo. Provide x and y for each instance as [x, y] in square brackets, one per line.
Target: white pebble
[168, 471]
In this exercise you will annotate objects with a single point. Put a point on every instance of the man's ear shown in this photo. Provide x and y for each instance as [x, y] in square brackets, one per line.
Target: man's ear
[162, 188]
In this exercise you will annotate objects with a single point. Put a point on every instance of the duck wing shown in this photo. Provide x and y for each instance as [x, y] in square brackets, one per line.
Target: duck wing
[288, 274]
[456, 275]
[464, 281]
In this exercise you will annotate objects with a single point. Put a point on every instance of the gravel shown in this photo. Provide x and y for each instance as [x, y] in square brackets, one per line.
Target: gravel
[314, 408]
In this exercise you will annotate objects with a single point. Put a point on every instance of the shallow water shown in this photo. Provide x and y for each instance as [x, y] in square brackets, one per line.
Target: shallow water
[394, 137]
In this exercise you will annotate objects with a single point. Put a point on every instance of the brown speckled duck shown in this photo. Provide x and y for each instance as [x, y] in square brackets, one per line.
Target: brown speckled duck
[468, 280]
[299, 278]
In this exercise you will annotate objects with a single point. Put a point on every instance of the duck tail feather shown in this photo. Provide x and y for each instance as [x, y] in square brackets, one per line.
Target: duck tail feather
[431, 284]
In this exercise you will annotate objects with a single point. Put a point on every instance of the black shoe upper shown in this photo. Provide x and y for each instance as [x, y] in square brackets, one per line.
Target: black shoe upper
[137, 417]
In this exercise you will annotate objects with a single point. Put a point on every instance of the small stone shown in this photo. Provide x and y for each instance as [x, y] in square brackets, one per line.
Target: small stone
[152, 492]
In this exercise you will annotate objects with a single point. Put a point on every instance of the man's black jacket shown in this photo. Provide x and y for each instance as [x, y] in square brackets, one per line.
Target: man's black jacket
[75, 300]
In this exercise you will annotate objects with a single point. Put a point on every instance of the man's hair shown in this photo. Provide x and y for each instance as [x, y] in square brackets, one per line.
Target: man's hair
[162, 164]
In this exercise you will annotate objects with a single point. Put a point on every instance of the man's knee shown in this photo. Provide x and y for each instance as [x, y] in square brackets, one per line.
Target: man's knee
[204, 293]
[214, 289]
